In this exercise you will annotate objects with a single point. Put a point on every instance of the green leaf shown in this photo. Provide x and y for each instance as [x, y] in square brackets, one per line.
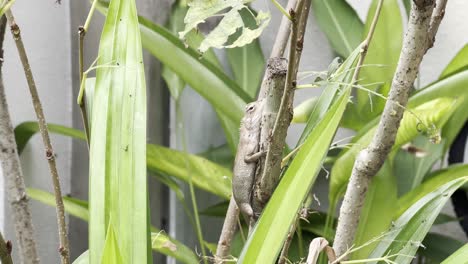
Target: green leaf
[83, 258]
[336, 81]
[204, 77]
[217, 210]
[232, 22]
[182, 253]
[111, 252]
[247, 64]
[73, 206]
[164, 245]
[25, 130]
[434, 112]
[408, 231]
[267, 237]
[436, 179]
[205, 174]
[304, 109]
[377, 212]
[410, 169]
[438, 247]
[118, 181]
[340, 23]
[384, 50]
[457, 64]
[459, 257]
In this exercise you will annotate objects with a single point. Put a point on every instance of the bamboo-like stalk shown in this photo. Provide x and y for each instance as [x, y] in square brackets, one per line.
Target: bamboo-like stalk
[49, 152]
[417, 41]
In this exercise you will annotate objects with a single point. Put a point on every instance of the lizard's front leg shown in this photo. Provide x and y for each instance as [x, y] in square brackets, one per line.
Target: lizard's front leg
[250, 158]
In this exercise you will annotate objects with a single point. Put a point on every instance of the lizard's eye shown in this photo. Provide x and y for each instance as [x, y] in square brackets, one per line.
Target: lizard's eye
[250, 108]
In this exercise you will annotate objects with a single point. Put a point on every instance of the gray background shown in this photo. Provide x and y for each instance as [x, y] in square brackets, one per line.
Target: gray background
[50, 35]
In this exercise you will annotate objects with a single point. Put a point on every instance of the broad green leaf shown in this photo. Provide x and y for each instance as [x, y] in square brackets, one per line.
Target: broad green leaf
[436, 179]
[410, 168]
[406, 234]
[166, 246]
[416, 121]
[407, 4]
[182, 253]
[205, 174]
[220, 155]
[73, 206]
[83, 258]
[459, 257]
[377, 212]
[266, 240]
[217, 210]
[111, 252]
[456, 122]
[117, 174]
[247, 62]
[340, 23]
[25, 130]
[231, 23]
[384, 50]
[457, 64]
[438, 247]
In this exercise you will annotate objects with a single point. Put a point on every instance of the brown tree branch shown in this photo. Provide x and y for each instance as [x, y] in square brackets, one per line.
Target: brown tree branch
[227, 233]
[370, 160]
[437, 16]
[277, 114]
[49, 153]
[14, 180]
[282, 36]
[5, 251]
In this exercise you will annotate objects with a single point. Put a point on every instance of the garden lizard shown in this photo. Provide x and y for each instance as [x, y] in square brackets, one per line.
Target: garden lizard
[245, 163]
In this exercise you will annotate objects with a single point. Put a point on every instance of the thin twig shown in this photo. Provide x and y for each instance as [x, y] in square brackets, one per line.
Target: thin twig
[62, 230]
[227, 233]
[81, 34]
[5, 250]
[282, 36]
[14, 180]
[370, 160]
[284, 252]
[437, 16]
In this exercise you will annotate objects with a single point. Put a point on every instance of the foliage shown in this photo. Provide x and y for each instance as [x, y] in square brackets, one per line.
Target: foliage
[404, 198]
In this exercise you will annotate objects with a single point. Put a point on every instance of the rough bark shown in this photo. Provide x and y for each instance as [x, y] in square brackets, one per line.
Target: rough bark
[49, 152]
[370, 160]
[14, 180]
[273, 134]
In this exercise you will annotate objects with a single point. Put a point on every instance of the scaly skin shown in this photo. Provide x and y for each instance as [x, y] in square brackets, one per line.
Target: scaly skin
[247, 155]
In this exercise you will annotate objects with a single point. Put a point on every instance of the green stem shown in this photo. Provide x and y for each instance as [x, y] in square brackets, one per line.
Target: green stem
[181, 131]
[281, 9]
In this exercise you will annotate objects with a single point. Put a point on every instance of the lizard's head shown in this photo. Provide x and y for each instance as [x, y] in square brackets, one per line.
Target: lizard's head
[253, 113]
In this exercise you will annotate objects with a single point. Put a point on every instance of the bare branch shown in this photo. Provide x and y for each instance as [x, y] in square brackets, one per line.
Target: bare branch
[14, 180]
[49, 153]
[437, 16]
[370, 160]
[227, 233]
[282, 36]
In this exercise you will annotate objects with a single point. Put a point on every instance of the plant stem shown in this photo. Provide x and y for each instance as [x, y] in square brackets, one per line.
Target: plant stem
[284, 252]
[227, 233]
[281, 9]
[81, 34]
[5, 250]
[282, 37]
[14, 180]
[370, 160]
[62, 230]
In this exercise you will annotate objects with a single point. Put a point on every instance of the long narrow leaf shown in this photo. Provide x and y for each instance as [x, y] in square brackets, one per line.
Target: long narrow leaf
[459, 257]
[268, 235]
[405, 237]
[118, 184]
[161, 242]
